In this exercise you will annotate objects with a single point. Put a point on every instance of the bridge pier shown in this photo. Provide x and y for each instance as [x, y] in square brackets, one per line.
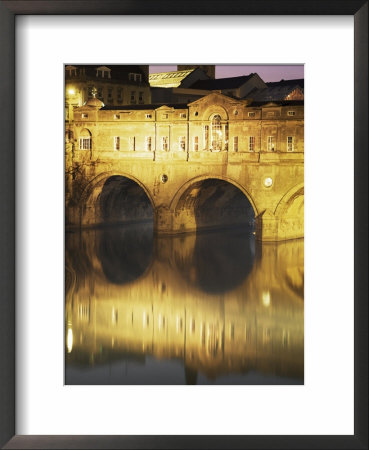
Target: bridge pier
[272, 228]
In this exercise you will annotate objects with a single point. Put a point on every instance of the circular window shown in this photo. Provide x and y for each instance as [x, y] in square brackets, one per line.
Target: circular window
[164, 178]
[268, 182]
[196, 113]
[235, 112]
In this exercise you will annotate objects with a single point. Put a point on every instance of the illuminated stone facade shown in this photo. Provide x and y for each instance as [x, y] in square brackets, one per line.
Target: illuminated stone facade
[171, 150]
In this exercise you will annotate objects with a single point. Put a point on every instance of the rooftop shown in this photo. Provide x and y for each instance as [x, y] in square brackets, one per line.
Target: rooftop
[222, 83]
[296, 82]
[145, 107]
[169, 79]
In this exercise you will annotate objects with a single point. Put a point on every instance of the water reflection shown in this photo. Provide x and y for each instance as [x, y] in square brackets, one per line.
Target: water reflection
[208, 308]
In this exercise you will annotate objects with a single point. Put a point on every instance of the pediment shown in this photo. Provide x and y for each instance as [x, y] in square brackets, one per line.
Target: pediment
[165, 108]
[217, 97]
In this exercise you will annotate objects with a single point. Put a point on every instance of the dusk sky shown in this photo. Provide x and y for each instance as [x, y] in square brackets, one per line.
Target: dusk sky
[266, 72]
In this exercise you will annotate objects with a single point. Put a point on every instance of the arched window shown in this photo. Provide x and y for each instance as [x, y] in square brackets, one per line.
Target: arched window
[216, 133]
[85, 140]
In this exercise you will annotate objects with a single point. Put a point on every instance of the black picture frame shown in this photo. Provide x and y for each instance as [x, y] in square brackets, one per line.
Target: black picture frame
[8, 11]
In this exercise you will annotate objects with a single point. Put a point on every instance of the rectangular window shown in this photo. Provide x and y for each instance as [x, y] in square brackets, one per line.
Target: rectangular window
[291, 113]
[206, 136]
[148, 116]
[133, 96]
[251, 143]
[164, 143]
[119, 94]
[132, 143]
[116, 143]
[148, 143]
[110, 93]
[182, 115]
[290, 144]
[182, 143]
[100, 93]
[116, 116]
[85, 143]
[196, 143]
[84, 116]
[271, 144]
[226, 136]
[140, 97]
[164, 116]
[235, 143]
[135, 77]
[251, 114]
[270, 113]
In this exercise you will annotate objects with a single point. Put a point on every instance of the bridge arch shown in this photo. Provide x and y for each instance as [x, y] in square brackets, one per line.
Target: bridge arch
[92, 208]
[290, 213]
[211, 201]
[291, 196]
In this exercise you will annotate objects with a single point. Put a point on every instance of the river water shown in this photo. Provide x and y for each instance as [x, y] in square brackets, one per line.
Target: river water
[209, 308]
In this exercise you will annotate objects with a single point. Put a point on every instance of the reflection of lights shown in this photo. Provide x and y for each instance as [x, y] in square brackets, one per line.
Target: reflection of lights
[268, 182]
[69, 340]
[71, 91]
[266, 298]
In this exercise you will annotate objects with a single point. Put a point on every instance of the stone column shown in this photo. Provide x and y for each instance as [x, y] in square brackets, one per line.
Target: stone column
[266, 226]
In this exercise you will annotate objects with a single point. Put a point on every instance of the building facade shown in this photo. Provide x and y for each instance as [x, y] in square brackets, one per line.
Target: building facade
[113, 85]
[179, 154]
[223, 125]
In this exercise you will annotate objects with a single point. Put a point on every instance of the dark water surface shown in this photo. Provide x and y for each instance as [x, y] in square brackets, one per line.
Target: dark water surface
[211, 308]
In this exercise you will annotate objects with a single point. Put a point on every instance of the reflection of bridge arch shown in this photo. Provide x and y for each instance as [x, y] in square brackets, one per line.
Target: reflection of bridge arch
[125, 254]
[90, 209]
[193, 195]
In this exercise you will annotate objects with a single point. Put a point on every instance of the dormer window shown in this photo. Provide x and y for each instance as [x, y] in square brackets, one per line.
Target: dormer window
[71, 71]
[135, 77]
[103, 72]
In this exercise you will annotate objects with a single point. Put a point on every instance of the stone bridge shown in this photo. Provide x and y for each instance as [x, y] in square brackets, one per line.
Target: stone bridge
[180, 189]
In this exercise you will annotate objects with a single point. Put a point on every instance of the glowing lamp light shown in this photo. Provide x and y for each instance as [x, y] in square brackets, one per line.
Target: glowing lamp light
[71, 91]
[268, 182]
[266, 298]
[69, 340]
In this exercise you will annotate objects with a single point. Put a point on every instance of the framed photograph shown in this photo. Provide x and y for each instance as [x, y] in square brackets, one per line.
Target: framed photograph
[162, 169]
